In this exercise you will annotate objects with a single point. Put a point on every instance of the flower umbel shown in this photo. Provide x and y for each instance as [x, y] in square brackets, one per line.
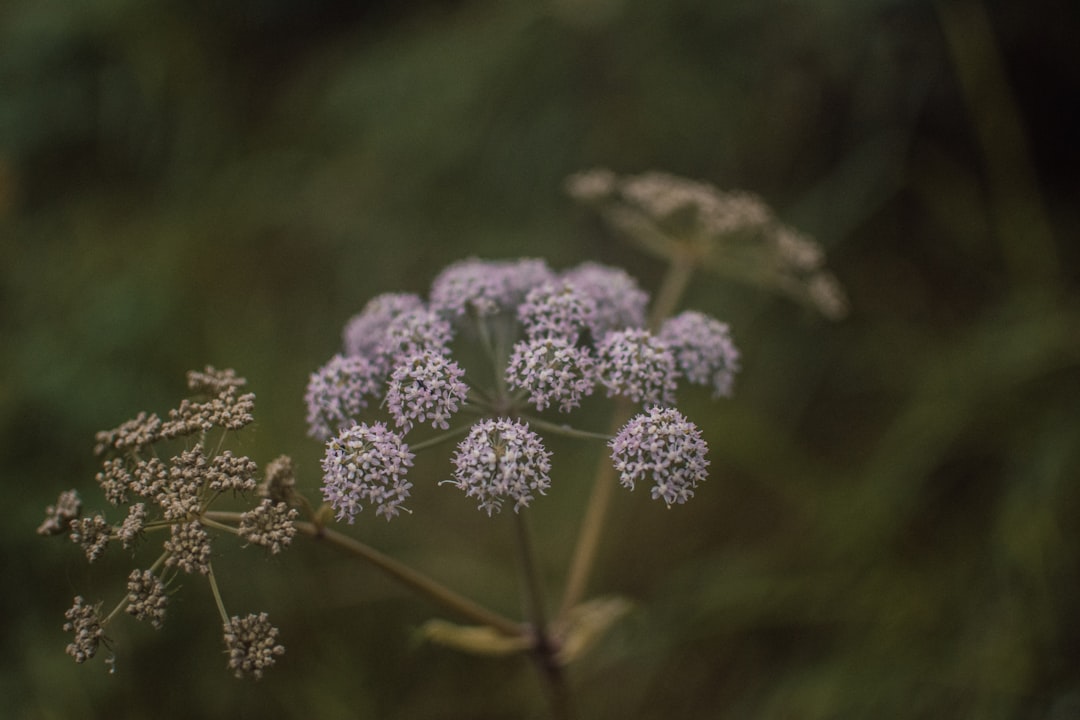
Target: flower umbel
[86, 623]
[637, 365]
[703, 349]
[366, 463]
[501, 460]
[426, 387]
[662, 445]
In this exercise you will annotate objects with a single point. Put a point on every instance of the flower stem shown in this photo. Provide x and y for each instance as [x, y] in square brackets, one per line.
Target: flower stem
[424, 585]
[565, 430]
[545, 651]
[217, 594]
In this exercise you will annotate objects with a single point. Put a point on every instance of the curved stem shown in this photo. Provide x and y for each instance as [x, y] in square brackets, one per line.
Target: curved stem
[426, 586]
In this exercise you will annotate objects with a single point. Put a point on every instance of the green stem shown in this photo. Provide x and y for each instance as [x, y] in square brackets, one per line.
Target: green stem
[439, 439]
[545, 651]
[426, 586]
[564, 430]
[217, 594]
[209, 522]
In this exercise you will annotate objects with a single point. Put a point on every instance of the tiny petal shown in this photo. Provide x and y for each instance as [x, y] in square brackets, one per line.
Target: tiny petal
[664, 446]
[366, 463]
[501, 460]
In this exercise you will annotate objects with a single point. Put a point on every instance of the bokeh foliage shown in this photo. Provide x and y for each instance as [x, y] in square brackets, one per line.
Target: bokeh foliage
[892, 525]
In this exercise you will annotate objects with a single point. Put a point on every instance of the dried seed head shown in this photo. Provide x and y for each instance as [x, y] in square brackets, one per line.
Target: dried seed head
[146, 597]
[251, 645]
[85, 622]
[280, 483]
[269, 525]
[115, 479]
[92, 533]
[58, 517]
[132, 527]
[231, 472]
[189, 548]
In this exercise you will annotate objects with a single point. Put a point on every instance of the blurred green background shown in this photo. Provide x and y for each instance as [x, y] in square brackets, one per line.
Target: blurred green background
[892, 526]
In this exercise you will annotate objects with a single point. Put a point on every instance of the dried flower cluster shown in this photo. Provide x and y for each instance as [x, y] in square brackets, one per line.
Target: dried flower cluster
[734, 233]
[167, 473]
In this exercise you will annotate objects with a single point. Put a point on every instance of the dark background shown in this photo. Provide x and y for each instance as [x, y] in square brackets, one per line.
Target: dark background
[891, 527]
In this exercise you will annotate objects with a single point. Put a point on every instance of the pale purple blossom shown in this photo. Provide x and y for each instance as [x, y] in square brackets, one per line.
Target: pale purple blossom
[426, 387]
[412, 333]
[482, 288]
[366, 463]
[637, 365]
[553, 371]
[703, 349]
[337, 393]
[501, 460]
[364, 333]
[556, 309]
[620, 301]
[665, 447]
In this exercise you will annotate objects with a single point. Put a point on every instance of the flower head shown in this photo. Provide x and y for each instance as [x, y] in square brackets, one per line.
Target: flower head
[366, 462]
[553, 370]
[364, 333]
[426, 387]
[269, 524]
[412, 333]
[85, 622]
[499, 460]
[556, 310]
[92, 533]
[703, 349]
[620, 302]
[662, 445]
[189, 548]
[251, 643]
[485, 287]
[635, 364]
[58, 517]
[338, 391]
[146, 597]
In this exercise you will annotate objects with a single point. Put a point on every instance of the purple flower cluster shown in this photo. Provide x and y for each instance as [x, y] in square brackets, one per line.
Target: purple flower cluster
[553, 370]
[556, 310]
[552, 338]
[501, 460]
[425, 387]
[619, 301]
[486, 287]
[364, 332]
[338, 391]
[366, 463]
[637, 365]
[662, 445]
[703, 349]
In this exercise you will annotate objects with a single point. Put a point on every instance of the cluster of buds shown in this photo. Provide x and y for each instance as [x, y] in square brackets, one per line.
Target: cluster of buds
[549, 340]
[165, 474]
